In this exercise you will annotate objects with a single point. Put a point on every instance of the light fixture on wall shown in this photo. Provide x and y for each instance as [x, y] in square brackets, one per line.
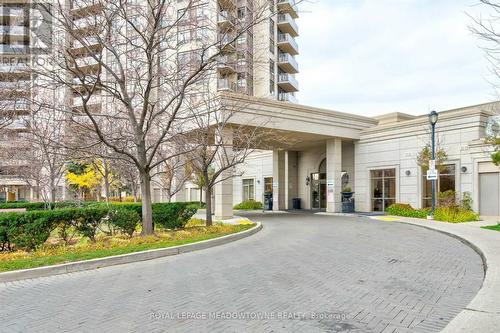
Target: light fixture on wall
[307, 180]
[464, 169]
[258, 181]
[407, 172]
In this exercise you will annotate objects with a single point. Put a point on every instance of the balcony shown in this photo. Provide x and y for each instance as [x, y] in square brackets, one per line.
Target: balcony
[226, 85]
[287, 24]
[226, 65]
[287, 97]
[13, 49]
[14, 32]
[288, 63]
[288, 6]
[15, 85]
[287, 82]
[85, 8]
[11, 12]
[227, 3]
[227, 42]
[14, 68]
[287, 43]
[225, 20]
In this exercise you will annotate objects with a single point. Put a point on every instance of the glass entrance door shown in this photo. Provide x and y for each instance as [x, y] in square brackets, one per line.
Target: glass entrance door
[318, 190]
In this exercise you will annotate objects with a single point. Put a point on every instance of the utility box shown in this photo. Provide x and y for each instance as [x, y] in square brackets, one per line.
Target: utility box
[296, 203]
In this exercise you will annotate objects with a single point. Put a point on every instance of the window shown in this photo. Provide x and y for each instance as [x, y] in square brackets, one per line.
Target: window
[241, 12]
[445, 182]
[241, 80]
[242, 39]
[383, 188]
[183, 37]
[182, 15]
[268, 185]
[248, 189]
[271, 87]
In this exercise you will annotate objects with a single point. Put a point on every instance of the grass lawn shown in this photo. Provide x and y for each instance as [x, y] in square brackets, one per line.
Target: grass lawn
[106, 246]
[492, 227]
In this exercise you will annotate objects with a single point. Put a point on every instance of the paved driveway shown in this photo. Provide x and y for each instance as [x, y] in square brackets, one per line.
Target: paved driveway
[301, 273]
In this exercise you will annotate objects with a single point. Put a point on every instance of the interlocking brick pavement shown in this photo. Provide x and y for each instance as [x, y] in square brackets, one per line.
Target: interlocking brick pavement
[360, 275]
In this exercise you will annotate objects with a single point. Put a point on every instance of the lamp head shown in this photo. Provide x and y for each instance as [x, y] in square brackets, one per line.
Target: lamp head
[433, 118]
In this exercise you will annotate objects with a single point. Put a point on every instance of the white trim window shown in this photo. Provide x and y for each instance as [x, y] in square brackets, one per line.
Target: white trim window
[383, 188]
[248, 189]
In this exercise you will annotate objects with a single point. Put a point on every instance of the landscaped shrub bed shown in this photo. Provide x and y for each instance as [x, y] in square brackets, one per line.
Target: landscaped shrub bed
[452, 213]
[81, 248]
[249, 205]
[406, 210]
[29, 230]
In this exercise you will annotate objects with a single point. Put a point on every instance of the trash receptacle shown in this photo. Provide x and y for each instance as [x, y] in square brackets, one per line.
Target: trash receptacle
[296, 203]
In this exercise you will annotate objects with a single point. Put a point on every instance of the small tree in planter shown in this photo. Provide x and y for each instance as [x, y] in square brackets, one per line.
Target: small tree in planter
[346, 193]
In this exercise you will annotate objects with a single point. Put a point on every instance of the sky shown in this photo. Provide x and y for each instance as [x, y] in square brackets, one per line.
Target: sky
[378, 56]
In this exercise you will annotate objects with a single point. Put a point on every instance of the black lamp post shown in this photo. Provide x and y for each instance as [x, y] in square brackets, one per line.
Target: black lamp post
[433, 118]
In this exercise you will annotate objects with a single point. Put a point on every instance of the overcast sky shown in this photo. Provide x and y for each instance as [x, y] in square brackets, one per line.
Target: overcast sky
[377, 56]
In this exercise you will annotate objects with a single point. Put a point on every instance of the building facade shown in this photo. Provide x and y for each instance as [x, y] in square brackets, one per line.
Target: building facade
[381, 166]
[15, 91]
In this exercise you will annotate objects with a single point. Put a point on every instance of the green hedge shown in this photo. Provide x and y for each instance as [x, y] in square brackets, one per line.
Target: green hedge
[30, 206]
[249, 205]
[31, 229]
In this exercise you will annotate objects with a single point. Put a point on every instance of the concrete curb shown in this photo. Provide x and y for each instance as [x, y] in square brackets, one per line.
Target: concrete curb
[482, 314]
[123, 258]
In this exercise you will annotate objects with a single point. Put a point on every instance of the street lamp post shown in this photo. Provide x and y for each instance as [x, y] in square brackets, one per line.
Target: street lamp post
[433, 118]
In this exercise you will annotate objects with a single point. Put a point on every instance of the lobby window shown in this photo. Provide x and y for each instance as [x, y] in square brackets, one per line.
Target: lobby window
[445, 182]
[248, 189]
[268, 185]
[383, 188]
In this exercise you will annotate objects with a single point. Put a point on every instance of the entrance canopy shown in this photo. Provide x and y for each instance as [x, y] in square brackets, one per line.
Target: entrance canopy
[293, 125]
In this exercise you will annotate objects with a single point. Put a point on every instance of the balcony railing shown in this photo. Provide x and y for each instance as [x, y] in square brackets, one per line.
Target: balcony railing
[13, 49]
[287, 97]
[226, 85]
[288, 82]
[287, 24]
[225, 18]
[226, 64]
[13, 30]
[11, 12]
[288, 43]
[288, 6]
[289, 62]
[14, 68]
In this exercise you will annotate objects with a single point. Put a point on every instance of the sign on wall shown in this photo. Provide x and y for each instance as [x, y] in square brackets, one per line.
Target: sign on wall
[329, 191]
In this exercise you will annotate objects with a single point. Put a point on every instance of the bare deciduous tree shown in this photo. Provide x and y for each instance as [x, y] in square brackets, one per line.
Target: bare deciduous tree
[130, 70]
[487, 29]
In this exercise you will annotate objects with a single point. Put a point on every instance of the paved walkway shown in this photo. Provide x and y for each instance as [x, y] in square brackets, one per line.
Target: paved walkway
[482, 314]
[301, 273]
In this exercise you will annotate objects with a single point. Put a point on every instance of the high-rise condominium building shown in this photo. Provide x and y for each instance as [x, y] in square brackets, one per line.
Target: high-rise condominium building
[15, 91]
[259, 61]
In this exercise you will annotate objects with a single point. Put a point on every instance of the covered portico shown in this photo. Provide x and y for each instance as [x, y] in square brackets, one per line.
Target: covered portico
[302, 137]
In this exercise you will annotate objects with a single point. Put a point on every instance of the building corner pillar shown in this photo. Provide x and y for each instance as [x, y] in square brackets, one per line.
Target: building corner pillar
[224, 187]
[333, 175]
[279, 193]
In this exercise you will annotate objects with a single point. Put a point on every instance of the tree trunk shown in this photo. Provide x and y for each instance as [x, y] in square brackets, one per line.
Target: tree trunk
[52, 190]
[208, 199]
[147, 210]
